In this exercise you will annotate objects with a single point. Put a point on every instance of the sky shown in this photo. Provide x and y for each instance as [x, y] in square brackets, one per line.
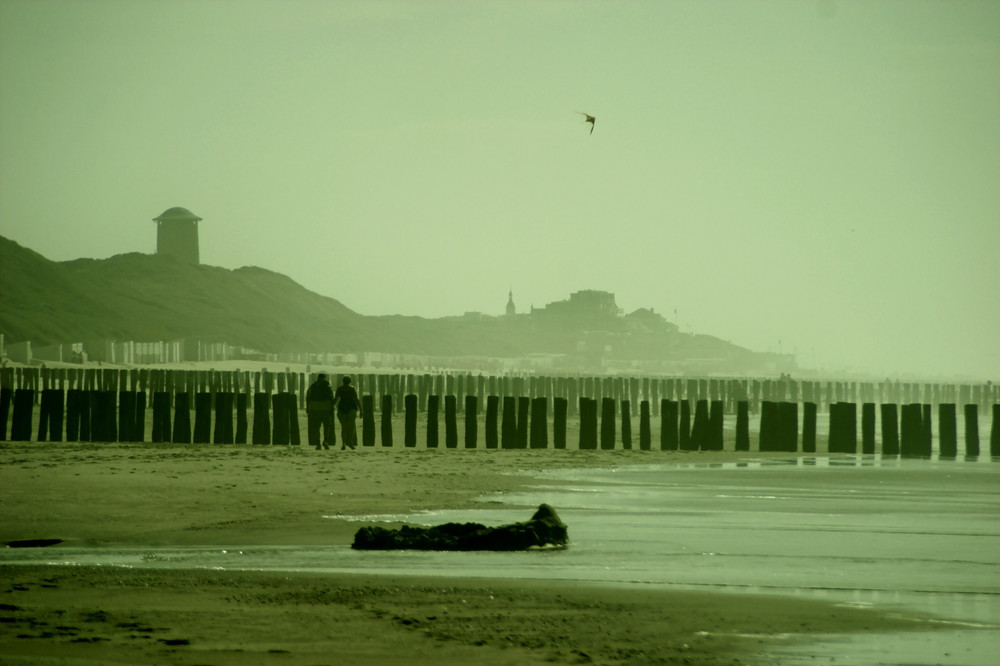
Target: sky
[817, 177]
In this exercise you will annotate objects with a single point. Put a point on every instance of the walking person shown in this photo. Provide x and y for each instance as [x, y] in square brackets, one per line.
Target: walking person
[319, 412]
[348, 410]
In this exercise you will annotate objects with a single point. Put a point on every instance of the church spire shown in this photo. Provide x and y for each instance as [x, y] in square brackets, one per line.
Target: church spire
[511, 310]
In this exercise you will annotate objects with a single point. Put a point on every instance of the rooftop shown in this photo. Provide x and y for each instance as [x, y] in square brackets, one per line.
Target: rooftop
[177, 213]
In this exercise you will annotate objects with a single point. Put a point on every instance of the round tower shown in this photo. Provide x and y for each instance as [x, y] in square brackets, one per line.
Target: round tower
[177, 234]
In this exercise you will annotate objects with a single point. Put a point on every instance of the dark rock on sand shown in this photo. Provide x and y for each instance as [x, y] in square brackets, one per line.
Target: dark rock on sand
[543, 529]
[33, 543]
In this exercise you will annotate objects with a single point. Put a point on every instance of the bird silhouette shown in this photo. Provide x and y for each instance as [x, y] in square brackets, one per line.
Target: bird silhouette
[589, 119]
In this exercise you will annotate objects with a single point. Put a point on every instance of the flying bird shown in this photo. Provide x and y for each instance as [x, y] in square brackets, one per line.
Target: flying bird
[589, 119]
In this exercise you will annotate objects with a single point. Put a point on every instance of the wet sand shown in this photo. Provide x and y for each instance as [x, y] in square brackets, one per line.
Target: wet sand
[150, 495]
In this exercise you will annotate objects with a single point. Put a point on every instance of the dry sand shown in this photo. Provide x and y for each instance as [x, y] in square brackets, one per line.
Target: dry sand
[145, 494]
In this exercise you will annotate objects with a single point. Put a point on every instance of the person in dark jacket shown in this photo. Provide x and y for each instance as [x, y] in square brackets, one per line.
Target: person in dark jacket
[319, 412]
[348, 410]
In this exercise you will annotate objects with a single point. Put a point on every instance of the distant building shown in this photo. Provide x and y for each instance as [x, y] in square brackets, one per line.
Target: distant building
[588, 303]
[177, 234]
[511, 310]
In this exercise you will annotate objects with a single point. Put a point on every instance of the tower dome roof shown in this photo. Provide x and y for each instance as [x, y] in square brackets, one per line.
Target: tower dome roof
[177, 213]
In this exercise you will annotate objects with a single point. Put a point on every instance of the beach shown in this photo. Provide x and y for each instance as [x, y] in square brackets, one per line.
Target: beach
[120, 495]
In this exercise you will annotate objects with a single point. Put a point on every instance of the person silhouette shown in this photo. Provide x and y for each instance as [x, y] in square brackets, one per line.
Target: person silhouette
[319, 412]
[348, 406]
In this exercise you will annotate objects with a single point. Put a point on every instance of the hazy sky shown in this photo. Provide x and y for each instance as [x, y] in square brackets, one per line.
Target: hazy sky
[819, 177]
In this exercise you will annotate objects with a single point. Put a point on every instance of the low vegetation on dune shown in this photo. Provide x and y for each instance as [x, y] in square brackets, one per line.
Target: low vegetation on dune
[147, 298]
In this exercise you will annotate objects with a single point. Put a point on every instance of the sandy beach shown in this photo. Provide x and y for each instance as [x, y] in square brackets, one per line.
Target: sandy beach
[183, 495]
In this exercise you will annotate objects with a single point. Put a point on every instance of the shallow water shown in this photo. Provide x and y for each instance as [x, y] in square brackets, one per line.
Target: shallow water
[914, 535]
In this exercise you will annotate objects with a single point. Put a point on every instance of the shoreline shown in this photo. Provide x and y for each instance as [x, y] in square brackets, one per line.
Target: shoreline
[184, 495]
[90, 494]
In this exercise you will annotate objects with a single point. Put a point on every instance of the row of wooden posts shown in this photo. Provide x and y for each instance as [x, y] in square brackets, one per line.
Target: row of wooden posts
[512, 422]
[632, 389]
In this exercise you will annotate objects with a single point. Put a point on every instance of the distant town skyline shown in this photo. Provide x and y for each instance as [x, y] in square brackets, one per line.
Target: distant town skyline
[816, 178]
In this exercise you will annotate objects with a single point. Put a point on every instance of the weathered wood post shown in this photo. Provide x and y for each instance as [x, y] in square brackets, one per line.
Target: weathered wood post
[588, 423]
[972, 430]
[368, 420]
[410, 420]
[44, 409]
[523, 414]
[182, 418]
[788, 416]
[223, 432]
[669, 416]
[911, 430]
[701, 428]
[398, 388]
[779, 423]
[56, 412]
[607, 423]
[110, 411]
[716, 426]
[508, 425]
[626, 407]
[889, 413]
[686, 442]
[433, 406]
[279, 416]
[6, 399]
[242, 398]
[539, 423]
[24, 406]
[103, 420]
[947, 430]
[203, 418]
[451, 421]
[161, 417]
[386, 419]
[926, 430]
[843, 428]
[73, 409]
[261, 418]
[85, 404]
[425, 389]
[645, 430]
[126, 416]
[768, 435]
[97, 423]
[492, 416]
[471, 421]
[292, 411]
[850, 419]
[139, 417]
[868, 427]
[742, 425]
[809, 410]
[560, 408]
[995, 431]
